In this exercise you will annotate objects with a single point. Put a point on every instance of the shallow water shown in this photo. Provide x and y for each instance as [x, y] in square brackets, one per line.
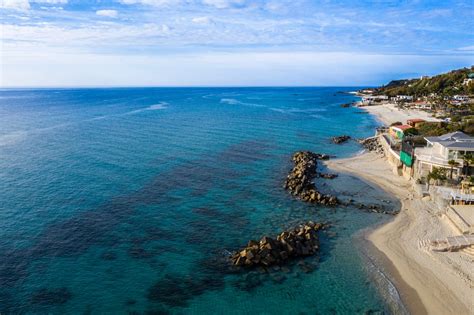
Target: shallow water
[126, 200]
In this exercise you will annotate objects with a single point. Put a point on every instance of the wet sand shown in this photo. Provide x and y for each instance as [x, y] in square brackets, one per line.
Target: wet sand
[443, 282]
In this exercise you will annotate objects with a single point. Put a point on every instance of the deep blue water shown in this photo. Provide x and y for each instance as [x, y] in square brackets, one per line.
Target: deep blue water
[125, 200]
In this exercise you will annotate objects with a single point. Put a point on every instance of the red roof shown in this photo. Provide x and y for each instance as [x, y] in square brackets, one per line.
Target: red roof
[415, 120]
[403, 127]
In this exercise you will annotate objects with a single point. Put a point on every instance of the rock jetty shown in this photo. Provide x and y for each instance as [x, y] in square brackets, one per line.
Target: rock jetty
[340, 139]
[298, 242]
[300, 180]
[372, 144]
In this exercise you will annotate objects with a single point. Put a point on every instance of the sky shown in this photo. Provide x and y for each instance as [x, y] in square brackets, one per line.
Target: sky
[59, 43]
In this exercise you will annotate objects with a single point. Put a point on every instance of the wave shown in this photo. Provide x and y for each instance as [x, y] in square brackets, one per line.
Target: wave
[159, 106]
[233, 101]
[294, 110]
[16, 136]
[13, 137]
[279, 110]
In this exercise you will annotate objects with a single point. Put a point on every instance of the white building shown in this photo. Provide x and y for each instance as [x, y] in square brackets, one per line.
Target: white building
[400, 98]
[461, 98]
[368, 100]
[469, 79]
[440, 150]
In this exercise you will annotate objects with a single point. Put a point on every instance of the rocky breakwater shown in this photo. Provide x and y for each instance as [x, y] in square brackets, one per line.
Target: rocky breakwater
[298, 242]
[340, 139]
[372, 144]
[300, 180]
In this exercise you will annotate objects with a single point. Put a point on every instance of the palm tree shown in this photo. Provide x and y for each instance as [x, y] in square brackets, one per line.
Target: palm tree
[468, 159]
[453, 164]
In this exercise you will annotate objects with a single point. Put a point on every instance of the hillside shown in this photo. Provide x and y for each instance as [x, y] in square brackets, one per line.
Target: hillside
[448, 84]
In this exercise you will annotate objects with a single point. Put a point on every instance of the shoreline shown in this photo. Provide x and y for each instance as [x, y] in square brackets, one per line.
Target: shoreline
[440, 280]
[389, 113]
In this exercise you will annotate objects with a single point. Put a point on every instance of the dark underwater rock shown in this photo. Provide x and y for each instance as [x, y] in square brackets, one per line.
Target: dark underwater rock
[340, 139]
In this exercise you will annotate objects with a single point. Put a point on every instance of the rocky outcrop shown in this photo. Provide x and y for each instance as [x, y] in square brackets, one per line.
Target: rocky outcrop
[372, 144]
[300, 180]
[327, 175]
[300, 241]
[340, 139]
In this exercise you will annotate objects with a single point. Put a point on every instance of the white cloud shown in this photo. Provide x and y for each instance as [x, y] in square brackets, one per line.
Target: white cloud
[25, 4]
[50, 1]
[202, 20]
[151, 2]
[215, 69]
[467, 48]
[15, 4]
[107, 13]
[219, 4]
[223, 4]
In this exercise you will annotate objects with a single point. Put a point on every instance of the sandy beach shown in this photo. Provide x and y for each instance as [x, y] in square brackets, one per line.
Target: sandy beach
[443, 282]
[389, 113]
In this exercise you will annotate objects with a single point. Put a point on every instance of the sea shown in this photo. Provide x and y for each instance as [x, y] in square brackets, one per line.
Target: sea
[130, 200]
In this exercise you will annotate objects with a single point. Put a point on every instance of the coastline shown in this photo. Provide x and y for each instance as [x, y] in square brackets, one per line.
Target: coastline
[390, 113]
[443, 282]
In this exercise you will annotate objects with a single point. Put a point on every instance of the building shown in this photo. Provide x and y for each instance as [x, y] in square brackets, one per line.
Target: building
[399, 131]
[461, 98]
[403, 98]
[440, 150]
[469, 79]
[415, 122]
[370, 99]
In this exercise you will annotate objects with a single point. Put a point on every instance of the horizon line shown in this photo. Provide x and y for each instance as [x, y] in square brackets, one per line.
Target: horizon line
[176, 86]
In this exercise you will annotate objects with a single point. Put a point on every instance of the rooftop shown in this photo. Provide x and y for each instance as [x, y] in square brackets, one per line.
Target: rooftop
[403, 127]
[415, 120]
[455, 140]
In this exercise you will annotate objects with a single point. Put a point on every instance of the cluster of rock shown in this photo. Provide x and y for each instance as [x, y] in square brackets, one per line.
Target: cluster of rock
[327, 175]
[300, 241]
[371, 208]
[340, 139]
[372, 144]
[300, 180]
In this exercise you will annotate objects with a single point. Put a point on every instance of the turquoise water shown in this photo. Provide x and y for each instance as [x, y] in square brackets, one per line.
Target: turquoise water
[127, 200]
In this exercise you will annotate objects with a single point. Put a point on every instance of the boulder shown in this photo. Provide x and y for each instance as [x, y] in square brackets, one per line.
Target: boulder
[340, 139]
[300, 241]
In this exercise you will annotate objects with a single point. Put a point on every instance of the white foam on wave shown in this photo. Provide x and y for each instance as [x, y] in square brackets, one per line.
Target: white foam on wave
[230, 101]
[233, 101]
[12, 138]
[294, 110]
[161, 105]
[279, 110]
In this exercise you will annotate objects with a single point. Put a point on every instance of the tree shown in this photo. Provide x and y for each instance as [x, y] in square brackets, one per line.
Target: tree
[452, 164]
[437, 173]
[468, 159]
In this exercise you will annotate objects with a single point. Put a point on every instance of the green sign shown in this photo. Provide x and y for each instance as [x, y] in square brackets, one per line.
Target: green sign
[406, 158]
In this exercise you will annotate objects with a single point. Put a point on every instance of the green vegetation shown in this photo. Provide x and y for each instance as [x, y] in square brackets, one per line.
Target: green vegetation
[468, 159]
[447, 84]
[437, 173]
[441, 128]
[452, 165]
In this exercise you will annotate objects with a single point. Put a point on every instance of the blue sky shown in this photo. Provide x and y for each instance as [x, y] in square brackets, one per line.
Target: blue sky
[230, 42]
